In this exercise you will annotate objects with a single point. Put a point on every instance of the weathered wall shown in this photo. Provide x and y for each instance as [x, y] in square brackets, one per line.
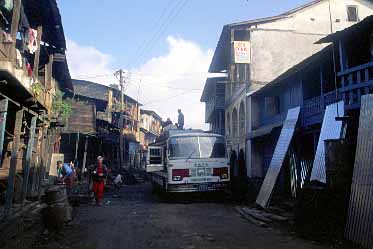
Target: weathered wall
[238, 141]
[279, 45]
[274, 52]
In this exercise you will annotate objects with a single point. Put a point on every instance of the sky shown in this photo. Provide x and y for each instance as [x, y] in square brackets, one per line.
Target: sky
[164, 46]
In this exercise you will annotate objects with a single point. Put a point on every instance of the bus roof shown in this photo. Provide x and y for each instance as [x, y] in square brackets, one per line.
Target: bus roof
[197, 134]
[186, 133]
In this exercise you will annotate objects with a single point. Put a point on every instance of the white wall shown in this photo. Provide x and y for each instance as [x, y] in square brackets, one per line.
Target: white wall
[279, 45]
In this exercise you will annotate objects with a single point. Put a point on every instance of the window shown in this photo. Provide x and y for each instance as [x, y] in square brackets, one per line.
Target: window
[235, 123]
[197, 147]
[155, 155]
[228, 125]
[352, 14]
[212, 147]
[241, 73]
[272, 106]
[242, 117]
[184, 147]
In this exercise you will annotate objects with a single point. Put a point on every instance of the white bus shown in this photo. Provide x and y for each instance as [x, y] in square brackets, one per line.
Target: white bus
[189, 161]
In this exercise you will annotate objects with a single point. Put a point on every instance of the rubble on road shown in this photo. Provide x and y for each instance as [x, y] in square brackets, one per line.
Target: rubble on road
[260, 217]
[23, 219]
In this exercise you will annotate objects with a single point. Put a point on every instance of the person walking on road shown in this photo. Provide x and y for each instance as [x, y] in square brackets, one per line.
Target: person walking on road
[232, 163]
[180, 120]
[241, 164]
[98, 175]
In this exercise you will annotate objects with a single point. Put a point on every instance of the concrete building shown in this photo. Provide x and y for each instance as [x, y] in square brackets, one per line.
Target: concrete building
[150, 127]
[214, 97]
[254, 53]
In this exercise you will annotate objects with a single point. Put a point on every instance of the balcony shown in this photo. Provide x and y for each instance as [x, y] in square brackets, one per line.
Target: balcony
[356, 82]
[313, 109]
[215, 103]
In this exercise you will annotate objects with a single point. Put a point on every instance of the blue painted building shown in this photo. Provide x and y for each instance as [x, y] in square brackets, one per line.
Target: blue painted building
[341, 71]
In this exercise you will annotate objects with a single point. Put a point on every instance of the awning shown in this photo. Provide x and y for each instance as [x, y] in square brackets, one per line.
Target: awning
[264, 130]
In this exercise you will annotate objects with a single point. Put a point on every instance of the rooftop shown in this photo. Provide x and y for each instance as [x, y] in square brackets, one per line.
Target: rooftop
[97, 91]
[221, 55]
[152, 113]
[351, 32]
[210, 86]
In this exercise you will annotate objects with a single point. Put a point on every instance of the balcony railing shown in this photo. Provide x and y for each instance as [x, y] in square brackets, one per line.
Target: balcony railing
[313, 109]
[217, 103]
[356, 82]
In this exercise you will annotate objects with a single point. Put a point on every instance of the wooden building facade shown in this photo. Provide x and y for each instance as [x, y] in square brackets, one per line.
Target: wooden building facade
[94, 127]
[33, 72]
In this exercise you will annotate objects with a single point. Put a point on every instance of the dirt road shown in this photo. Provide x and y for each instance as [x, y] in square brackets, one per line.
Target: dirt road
[139, 220]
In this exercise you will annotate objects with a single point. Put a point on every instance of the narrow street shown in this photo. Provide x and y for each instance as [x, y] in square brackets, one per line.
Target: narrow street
[185, 124]
[140, 220]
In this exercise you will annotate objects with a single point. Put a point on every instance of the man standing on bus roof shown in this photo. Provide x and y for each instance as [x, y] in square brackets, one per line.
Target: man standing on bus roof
[180, 120]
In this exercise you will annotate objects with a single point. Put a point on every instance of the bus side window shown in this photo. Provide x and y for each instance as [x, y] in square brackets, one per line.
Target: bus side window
[155, 155]
[165, 158]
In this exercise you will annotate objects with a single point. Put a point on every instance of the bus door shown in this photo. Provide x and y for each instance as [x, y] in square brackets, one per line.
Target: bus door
[155, 159]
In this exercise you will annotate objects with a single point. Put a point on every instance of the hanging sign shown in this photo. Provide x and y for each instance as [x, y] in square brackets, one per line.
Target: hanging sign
[242, 53]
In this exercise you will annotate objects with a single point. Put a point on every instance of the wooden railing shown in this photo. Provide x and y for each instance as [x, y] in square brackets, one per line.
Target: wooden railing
[11, 62]
[356, 82]
[217, 103]
[313, 109]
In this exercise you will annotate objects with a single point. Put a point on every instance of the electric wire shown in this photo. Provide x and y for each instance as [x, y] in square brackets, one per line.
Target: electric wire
[157, 23]
[169, 98]
[163, 28]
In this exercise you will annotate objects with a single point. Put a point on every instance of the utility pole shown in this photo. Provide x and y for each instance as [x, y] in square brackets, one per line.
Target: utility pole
[121, 118]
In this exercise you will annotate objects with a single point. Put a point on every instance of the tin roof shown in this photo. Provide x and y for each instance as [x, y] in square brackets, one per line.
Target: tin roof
[96, 91]
[351, 32]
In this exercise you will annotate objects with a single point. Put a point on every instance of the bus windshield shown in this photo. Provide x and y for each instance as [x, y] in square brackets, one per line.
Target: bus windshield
[197, 147]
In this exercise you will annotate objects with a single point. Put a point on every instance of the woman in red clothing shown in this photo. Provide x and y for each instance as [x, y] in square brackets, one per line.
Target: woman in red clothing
[98, 176]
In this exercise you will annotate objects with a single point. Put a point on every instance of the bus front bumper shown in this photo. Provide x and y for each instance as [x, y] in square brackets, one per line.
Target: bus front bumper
[198, 187]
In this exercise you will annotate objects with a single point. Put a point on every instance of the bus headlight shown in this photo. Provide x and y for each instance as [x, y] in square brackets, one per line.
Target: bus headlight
[177, 178]
[179, 174]
[221, 172]
[224, 176]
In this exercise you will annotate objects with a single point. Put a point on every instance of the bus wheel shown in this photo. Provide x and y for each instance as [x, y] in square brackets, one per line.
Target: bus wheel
[155, 188]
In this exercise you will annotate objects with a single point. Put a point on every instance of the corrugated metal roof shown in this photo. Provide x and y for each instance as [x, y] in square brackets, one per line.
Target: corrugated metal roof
[359, 226]
[352, 32]
[96, 91]
[274, 18]
[210, 87]
[152, 113]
